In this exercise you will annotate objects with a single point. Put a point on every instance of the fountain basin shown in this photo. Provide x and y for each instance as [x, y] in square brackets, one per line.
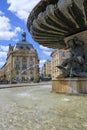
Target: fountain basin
[53, 20]
[69, 85]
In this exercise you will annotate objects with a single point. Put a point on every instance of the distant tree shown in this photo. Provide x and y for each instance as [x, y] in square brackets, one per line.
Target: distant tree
[13, 78]
[23, 78]
[49, 75]
[36, 78]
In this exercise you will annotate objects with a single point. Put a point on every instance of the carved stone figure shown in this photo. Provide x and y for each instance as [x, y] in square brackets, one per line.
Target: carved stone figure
[75, 65]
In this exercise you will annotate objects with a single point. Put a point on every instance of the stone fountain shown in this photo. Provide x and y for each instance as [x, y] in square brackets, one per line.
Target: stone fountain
[63, 24]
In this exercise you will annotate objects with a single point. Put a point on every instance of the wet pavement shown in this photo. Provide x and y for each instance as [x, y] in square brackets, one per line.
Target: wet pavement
[36, 108]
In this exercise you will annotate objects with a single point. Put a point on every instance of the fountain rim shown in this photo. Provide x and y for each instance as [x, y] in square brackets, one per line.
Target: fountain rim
[34, 15]
[35, 9]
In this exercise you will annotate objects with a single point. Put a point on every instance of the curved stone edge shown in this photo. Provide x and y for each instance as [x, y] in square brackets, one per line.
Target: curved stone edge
[68, 23]
[70, 86]
[40, 7]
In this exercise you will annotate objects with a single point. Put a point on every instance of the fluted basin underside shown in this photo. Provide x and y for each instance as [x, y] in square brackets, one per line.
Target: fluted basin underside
[53, 20]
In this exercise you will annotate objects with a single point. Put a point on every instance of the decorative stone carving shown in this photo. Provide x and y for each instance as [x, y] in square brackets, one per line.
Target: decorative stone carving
[53, 20]
[75, 66]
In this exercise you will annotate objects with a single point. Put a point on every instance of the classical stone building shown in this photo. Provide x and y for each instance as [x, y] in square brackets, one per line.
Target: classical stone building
[57, 57]
[46, 69]
[22, 62]
[43, 70]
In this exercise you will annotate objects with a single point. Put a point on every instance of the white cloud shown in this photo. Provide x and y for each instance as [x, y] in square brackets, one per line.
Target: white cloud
[6, 30]
[22, 8]
[2, 58]
[3, 54]
[3, 48]
[41, 63]
[2, 63]
[44, 48]
[48, 53]
[18, 29]
[5, 23]
[1, 13]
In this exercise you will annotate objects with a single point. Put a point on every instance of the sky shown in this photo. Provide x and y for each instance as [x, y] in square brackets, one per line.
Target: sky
[13, 20]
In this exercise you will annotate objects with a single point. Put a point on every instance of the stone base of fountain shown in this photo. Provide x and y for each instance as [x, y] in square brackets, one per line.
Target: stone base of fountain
[73, 85]
[69, 85]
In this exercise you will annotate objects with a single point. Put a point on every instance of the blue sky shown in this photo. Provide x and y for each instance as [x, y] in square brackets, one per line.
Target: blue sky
[13, 19]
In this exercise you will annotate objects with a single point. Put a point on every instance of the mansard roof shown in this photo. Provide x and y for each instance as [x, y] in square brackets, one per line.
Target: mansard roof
[23, 44]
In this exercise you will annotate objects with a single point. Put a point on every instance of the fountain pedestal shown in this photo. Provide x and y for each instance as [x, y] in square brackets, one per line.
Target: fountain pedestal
[72, 85]
[69, 85]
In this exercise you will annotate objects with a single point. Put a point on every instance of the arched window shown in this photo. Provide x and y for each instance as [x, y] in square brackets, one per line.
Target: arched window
[17, 66]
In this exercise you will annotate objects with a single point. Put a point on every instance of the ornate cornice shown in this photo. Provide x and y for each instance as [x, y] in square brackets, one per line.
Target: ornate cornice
[51, 21]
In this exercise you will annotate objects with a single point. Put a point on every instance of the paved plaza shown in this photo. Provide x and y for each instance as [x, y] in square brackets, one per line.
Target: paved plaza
[37, 108]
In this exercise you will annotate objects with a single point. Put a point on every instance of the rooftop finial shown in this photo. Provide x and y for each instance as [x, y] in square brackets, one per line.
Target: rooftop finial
[23, 36]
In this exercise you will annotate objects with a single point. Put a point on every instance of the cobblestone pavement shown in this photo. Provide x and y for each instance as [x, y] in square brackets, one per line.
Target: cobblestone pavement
[36, 108]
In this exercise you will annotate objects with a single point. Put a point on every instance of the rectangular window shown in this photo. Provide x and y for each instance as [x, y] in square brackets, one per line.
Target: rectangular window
[24, 66]
[31, 58]
[17, 66]
[24, 73]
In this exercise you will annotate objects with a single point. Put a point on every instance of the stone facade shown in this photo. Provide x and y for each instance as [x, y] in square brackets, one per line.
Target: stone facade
[43, 70]
[69, 85]
[46, 69]
[22, 62]
[58, 56]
